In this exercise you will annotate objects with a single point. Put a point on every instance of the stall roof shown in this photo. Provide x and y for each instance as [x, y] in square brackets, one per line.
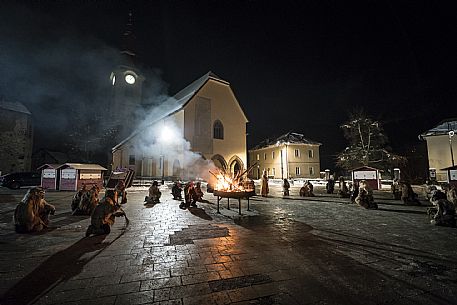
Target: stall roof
[54, 166]
[449, 168]
[365, 168]
[442, 128]
[83, 166]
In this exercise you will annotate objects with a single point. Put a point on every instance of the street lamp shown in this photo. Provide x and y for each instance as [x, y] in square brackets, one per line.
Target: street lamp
[451, 134]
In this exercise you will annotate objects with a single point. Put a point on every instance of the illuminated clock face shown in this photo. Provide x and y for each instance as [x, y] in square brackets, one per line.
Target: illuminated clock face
[130, 79]
[114, 79]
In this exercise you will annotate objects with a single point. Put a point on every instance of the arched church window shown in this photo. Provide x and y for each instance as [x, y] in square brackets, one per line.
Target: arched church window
[218, 130]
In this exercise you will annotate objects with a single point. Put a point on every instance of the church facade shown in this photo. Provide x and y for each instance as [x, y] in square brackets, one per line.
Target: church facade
[202, 121]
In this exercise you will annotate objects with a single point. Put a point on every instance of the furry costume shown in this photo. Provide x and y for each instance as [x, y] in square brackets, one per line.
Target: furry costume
[88, 202]
[32, 213]
[104, 214]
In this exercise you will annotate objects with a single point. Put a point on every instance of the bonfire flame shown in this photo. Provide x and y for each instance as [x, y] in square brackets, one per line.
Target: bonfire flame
[232, 183]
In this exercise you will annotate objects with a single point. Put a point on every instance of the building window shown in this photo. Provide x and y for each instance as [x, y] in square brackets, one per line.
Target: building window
[297, 153]
[297, 171]
[273, 171]
[310, 153]
[268, 172]
[258, 157]
[311, 170]
[218, 130]
[132, 160]
[272, 154]
[264, 156]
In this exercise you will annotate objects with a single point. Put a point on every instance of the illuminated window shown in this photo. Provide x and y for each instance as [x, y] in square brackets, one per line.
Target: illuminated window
[310, 153]
[258, 157]
[218, 130]
[297, 153]
[268, 172]
[132, 160]
[297, 171]
[311, 170]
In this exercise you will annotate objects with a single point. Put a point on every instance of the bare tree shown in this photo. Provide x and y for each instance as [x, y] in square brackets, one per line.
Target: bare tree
[367, 144]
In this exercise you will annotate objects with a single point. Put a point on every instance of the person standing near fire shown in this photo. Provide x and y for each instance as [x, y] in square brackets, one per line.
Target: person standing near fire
[264, 186]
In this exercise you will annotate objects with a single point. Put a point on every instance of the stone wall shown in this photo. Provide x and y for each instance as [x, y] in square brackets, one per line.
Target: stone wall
[16, 141]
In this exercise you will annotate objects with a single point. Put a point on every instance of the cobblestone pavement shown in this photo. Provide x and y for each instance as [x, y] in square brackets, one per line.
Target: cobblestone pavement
[284, 251]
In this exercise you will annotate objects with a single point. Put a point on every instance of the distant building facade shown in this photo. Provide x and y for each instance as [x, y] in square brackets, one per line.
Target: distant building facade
[441, 141]
[207, 115]
[16, 137]
[288, 156]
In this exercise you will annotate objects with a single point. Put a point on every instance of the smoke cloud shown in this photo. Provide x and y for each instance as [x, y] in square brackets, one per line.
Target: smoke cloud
[62, 77]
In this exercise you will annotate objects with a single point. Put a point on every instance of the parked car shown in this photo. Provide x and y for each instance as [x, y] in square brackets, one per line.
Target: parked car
[16, 180]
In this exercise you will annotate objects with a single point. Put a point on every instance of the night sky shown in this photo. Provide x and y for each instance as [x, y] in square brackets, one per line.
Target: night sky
[298, 66]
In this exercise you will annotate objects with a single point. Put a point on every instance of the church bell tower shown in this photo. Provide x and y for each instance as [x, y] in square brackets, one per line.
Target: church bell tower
[127, 82]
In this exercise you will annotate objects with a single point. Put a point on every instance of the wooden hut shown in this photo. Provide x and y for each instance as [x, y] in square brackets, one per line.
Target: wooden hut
[74, 175]
[369, 174]
[451, 174]
[49, 176]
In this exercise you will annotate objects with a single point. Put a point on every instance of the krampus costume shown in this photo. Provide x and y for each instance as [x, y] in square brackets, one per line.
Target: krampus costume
[264, 190]
[451, 193]
[198, 191]
[285, 187]
[330, 186]
[154, 194]
[121, 192]
[396, 189]
[190, 196]
[307, 190]
[104, 214]
[343, 191]
[88, 202]
[176, 190]
[365, 196]
[32, 213]
[77, 197]
[407, 194]
[443, 212]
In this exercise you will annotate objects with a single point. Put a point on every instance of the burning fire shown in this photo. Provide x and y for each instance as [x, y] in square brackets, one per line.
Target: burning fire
[232, 183]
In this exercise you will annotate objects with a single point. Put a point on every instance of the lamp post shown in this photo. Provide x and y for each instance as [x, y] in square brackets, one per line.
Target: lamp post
[451, 134]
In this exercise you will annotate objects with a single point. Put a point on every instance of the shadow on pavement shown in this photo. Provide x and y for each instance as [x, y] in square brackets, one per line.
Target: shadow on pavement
[402, 211]
[59, 267]
[376, 246]
[199, 212]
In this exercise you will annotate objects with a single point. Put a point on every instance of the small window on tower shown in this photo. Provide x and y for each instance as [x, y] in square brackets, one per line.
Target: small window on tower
[132, 160]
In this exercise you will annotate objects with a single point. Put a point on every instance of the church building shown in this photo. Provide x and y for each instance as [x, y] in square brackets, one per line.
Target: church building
[202, 121]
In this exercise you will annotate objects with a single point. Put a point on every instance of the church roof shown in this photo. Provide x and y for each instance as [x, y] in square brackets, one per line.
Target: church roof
[288, 138]
[13, 106]
[176, 103]
[442, 128]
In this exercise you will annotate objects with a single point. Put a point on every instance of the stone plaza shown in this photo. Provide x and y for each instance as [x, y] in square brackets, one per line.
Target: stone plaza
[292, 250]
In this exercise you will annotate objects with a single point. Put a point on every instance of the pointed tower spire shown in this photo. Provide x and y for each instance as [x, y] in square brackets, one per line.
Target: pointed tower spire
[128, 37]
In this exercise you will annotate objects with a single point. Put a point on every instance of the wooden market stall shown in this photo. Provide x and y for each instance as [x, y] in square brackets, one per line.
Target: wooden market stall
[451, 175]
[49, 176]
[369, 174]
[74, 175]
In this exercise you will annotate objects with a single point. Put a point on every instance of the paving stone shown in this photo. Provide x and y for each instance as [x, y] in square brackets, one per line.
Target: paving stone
[200, 277]
[142, 297]
[238, 282]
[289, 251]
[161, 283]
